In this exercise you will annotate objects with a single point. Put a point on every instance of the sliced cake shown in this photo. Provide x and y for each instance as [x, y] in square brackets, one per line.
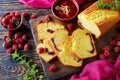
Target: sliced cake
[83, 44]
[66, 57]
[45, 29]
[45, 51]
[98, 21]
[57, 39]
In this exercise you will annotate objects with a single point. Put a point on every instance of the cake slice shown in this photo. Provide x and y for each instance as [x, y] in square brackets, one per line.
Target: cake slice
[66, 57]
[45, 51]
[45, 29]
[57, 39]
[98, 21]
[83, 44]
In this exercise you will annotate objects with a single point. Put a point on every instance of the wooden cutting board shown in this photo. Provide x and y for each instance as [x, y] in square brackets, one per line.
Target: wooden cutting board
[62, 70]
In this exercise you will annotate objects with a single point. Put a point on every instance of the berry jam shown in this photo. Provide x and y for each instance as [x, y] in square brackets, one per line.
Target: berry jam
[65, 9]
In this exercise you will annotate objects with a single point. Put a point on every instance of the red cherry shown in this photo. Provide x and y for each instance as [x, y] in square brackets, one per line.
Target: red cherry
[106, 53]
[40, 21]
[47, 17]
[113, 43]
[19, 41]
[10, 33]
[34, 16]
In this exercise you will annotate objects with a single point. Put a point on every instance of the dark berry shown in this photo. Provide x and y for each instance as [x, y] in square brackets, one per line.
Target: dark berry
[26, 46]
[20, 46]
[15, 47]
[18, 35]
[117, 49]
[25, 14]
[52, 67]
[33, 16]
[5, 37]
[17, 14]
[47, 17]
[24, 37]
[19, 41]
[69, 27]
[12, 14]
[10, 33]
[113, 43]
[10, 51]
[41, 50]
[14, 18]
[106, 53]
[10, 26]
[6, 45]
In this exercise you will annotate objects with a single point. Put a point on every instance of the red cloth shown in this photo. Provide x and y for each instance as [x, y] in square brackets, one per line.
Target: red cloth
[100, 70]
[43, 3]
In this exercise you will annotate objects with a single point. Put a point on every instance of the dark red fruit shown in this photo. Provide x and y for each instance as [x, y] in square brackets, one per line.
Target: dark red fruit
[14, 18]
[24, 37]
[101, 56]
[19, 41]
[106, 53]
[10, 33]
[15, 47]
[105, 48]
[52, 67]
[7, 17]
[117, 49]
[47, 17]
[25, 14]
[17, 14]
[113, 43]
[20, 46]
[5, 37]
[34, 16]
[10, 26]
[41, 50]
[26, 46]
[13, 40]
[69, 27]
[40, 21]
[6, 45]
[118, 43]
[12, 14]
[10, 51]
[18, 35]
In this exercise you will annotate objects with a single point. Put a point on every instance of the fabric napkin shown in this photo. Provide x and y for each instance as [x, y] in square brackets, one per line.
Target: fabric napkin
[43, 3]
[100, 70]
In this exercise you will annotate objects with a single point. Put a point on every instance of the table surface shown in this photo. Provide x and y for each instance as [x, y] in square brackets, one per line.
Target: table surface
[9, 69]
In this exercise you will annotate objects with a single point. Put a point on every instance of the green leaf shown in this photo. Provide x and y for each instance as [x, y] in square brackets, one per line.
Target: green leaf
[15, 55]
[41, 77]
[34, 66]
[22, 61]
[27, 64]
[26, 77]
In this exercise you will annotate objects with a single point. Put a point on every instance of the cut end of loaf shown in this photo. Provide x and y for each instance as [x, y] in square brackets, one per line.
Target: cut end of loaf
[93, 20]
[88, 25]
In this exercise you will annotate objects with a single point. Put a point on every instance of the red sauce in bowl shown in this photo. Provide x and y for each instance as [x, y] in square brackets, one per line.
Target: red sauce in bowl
[65, 9]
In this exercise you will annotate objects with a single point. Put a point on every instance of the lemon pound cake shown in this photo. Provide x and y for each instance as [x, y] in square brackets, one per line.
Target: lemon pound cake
[83, 44]
[45, 29]
[98, 21]
[57, 39]
[66, 57]
[45, 51]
